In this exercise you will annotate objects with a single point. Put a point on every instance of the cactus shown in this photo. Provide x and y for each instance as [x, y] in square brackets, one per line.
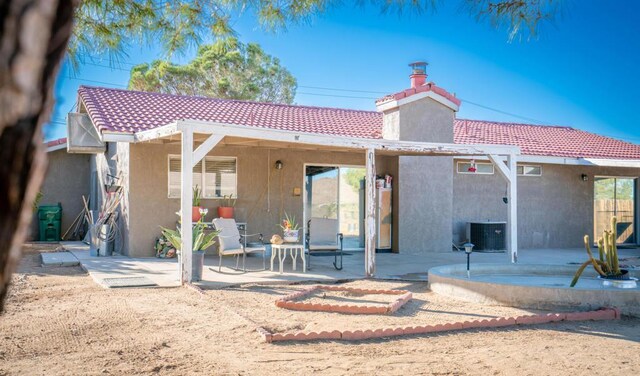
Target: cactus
[607, 265]
[613, 248]
[601, 249]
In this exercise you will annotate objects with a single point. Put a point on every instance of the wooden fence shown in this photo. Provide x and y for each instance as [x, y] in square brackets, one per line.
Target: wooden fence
[605, 209]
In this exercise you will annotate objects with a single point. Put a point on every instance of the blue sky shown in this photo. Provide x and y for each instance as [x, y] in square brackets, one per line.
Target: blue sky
[580, 71]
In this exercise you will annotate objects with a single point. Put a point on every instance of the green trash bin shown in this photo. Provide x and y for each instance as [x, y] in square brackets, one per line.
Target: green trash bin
[49, 218]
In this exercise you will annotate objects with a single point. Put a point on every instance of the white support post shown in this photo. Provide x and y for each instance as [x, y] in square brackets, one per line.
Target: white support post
[510, 173]
[370, 223]
[513, 208]
[206, 147]
[186, 201]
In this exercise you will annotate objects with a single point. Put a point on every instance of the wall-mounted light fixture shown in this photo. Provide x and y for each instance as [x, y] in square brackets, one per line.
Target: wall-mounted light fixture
[584, 177]
[278, 165]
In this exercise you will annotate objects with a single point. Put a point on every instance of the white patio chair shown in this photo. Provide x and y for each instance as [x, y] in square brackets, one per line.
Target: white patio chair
[231, 242]
[323, 236]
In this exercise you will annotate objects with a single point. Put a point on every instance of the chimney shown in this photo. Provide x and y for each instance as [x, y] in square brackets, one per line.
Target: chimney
[418, 73]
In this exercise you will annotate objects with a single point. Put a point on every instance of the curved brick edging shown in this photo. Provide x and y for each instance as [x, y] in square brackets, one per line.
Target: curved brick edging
[356, 335]
[367, 309]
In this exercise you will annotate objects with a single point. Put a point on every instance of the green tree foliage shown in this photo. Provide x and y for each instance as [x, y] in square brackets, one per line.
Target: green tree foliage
[225, 69]
[608, 188]
[112, 26]
[520, 17]
[353, 176]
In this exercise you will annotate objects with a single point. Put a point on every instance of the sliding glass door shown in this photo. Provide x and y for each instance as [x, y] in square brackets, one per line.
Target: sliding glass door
[334, 192]
[615, 197]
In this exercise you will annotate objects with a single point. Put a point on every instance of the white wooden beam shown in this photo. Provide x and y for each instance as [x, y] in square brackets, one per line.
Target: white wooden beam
[512, 217]
[502, 168]
[510, 173]
[186, 200]
[370, 222]
[205, 147]
[400, 147]
[160, 132]
[117, 137]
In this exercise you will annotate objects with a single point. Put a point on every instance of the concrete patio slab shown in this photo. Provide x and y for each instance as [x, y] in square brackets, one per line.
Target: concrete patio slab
[411, 266]
[59, 259]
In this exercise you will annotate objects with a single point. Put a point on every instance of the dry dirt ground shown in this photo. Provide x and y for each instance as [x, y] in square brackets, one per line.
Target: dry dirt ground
[58, 321]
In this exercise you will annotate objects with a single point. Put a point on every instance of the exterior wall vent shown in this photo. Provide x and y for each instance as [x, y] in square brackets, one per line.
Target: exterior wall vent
[487, 236]
[82, 136]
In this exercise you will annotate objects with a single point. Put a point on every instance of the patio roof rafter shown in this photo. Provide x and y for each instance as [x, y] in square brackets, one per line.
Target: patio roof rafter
[205, 147]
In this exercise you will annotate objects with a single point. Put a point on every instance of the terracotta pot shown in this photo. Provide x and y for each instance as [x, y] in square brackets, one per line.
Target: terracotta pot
[195, 213]
[225, 211]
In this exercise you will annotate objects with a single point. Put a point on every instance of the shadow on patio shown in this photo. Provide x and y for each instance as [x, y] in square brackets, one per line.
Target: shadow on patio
[403, 266]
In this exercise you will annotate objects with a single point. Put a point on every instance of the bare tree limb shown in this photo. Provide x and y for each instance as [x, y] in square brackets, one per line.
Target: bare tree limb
[33, 39]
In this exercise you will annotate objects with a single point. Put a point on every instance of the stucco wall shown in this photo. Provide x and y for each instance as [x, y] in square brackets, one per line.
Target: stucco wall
[555, 210]
[115, 161]
[67, 179]
[259, 204]
[426, 120]
[424, 183]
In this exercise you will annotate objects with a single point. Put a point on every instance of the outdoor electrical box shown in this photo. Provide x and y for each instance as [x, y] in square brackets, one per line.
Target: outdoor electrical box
[487, 236]
[49, 219]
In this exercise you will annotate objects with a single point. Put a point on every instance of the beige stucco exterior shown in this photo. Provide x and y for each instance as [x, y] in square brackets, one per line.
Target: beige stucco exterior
[264, 193]
[555, 210]
[115, 161]
[431, 201]
[424, 184]
[65, 182]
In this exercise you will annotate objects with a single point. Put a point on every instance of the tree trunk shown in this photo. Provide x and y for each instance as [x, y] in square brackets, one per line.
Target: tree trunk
[33, 40]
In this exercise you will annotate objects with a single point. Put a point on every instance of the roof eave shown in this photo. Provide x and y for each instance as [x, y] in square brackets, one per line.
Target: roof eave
[394, 103]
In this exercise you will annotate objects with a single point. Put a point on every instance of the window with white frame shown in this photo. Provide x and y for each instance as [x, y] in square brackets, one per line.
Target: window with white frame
[484, 168]
[216, 176]
[529, 170]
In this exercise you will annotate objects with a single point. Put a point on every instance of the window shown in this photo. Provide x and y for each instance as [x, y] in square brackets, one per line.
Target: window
[485, 168]
[216, 176]
[529, 170]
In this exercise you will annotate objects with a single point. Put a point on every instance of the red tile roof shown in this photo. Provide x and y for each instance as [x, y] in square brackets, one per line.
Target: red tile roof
[131, 111]
[127, 111]
[544, 140]
[420, 89]
[59, 141]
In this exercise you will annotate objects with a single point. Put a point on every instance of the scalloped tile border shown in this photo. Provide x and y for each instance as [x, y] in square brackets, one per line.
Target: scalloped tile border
[366, 309]
[357, 335]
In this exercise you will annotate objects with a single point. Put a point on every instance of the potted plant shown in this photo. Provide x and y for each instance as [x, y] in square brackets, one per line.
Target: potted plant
[201, 241]
[225, 210]
[290, 229]
[196, 210]
[164, 248]
[607, 265]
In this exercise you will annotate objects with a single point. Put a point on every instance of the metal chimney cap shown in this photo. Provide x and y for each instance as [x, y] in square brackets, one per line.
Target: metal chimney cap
[419, 67]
